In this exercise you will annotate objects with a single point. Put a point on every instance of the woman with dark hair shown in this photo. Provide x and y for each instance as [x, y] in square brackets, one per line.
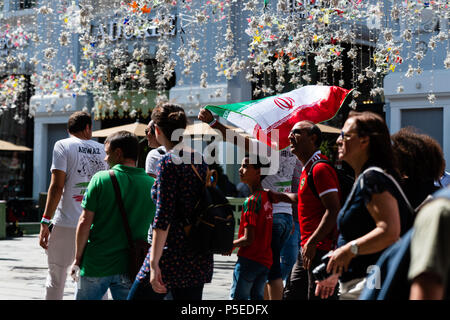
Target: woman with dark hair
[375, 213]
[420, 161]
[171, 264]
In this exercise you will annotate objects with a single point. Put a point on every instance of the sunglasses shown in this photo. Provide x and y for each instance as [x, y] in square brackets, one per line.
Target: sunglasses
[152, 129]
[345, 136]
[297, 131]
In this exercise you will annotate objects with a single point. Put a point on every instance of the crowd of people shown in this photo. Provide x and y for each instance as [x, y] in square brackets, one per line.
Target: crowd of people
[302, 235]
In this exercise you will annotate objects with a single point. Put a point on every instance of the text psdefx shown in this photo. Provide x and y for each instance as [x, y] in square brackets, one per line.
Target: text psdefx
[246, 309]
[230, 309]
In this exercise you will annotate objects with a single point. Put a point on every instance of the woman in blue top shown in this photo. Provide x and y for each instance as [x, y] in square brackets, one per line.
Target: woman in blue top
[171, 264]
[374, 215]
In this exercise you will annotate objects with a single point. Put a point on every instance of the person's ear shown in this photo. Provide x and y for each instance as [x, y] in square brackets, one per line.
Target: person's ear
[118, 152]
[88, 130]
[364, 141]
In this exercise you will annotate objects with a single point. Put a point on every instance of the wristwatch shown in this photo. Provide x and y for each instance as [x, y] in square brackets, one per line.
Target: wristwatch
[354, 247]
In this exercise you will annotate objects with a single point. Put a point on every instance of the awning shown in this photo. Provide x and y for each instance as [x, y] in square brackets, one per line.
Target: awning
[8, 146]
[197, 129]
[136, 128]
[328, 129]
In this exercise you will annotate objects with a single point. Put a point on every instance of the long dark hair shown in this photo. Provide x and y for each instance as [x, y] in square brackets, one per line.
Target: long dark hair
[169, 117]
[369, 124]
[418, 156]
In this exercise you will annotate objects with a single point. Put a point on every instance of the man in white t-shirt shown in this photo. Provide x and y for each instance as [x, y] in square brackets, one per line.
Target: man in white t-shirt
[154, 155]
[282, 212]
[75, 160]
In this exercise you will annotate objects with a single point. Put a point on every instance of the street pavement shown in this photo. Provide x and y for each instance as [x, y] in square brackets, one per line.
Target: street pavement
[23, 271]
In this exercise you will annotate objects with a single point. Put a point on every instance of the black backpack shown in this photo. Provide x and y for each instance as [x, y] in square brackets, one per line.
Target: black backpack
[211, 228]
[345, 180]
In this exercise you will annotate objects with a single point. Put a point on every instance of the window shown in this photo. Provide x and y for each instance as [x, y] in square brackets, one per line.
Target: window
[427, 120]
[26, 4]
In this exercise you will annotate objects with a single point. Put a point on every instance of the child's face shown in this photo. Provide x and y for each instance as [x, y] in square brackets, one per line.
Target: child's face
[248, 173]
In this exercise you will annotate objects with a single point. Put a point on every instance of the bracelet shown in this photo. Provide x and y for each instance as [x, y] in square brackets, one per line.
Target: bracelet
[213, 122]
[45, 220]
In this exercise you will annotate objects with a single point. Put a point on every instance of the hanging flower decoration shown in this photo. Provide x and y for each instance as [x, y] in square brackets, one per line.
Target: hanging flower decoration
[294, 42]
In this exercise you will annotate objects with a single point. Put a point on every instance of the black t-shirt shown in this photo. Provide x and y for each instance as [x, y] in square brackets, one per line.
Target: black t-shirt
[355, 221]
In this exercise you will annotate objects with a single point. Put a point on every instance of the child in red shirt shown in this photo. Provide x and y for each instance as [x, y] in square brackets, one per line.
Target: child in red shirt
[254, 237]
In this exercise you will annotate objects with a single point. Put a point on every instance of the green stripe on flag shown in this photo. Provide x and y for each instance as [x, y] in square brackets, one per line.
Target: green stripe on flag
[223, 110]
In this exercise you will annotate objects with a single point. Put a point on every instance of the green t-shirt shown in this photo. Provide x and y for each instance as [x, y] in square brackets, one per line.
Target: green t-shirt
[430, 244]
[106, 251]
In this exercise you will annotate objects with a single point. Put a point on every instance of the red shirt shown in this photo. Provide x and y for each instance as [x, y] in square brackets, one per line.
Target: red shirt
[257, 212]
[310, 208]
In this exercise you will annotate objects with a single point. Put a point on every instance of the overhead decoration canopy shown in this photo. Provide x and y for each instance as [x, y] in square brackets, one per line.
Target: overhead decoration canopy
[126, 104]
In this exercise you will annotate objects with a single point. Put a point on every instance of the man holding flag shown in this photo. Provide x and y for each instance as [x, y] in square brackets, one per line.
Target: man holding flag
[270, 121]
[282, 212]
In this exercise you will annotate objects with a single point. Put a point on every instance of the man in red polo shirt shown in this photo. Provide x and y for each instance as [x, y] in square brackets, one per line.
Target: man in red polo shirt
[317, 216]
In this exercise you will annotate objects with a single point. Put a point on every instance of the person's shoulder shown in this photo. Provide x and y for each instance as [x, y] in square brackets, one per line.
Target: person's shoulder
[375, 175]
[101, 175]
[323, 165]
[65, 143]
[254, 198]
[99, 178]
[160, 151]
[95, 144]
[437, 208]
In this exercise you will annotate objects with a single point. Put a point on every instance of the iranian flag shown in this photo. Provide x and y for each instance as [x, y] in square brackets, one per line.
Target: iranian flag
[270, 119]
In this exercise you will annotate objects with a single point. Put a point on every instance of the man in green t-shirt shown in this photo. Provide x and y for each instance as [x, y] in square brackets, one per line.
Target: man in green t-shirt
[101, 241]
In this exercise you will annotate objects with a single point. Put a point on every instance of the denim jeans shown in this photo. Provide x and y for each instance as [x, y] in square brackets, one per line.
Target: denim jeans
[249, 279]
[93, 288]
[281, 229]
[289, 252]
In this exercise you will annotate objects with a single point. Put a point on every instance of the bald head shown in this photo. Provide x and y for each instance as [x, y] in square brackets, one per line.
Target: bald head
[313, 129]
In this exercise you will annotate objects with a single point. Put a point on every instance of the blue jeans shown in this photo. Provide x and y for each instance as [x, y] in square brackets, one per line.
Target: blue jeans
[281, 229]
[93, 288]
[249, 279]
[289, 252]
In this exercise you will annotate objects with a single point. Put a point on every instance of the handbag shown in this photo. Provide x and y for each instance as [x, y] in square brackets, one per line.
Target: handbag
[138, 248]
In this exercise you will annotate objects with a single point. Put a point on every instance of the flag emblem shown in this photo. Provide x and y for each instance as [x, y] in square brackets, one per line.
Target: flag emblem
[285, 103]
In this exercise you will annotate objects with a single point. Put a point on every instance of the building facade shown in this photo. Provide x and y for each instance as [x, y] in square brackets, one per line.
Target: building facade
[197, 79]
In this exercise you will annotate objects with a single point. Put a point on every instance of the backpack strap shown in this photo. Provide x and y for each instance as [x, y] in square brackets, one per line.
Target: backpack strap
[395, 183]
[160, 151]
[198, 174]
[310, 176]
[186, 220]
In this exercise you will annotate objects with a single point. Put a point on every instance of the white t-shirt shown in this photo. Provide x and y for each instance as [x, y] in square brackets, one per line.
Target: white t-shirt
[80, 160]
[282, 180]
[153, 158]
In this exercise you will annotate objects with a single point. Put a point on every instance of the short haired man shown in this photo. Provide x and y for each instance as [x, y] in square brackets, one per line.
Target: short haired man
[101, 241]
[75, 160]
[317, 217]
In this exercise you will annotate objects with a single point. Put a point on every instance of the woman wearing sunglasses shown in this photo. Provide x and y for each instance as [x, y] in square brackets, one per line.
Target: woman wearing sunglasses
[375, 213]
